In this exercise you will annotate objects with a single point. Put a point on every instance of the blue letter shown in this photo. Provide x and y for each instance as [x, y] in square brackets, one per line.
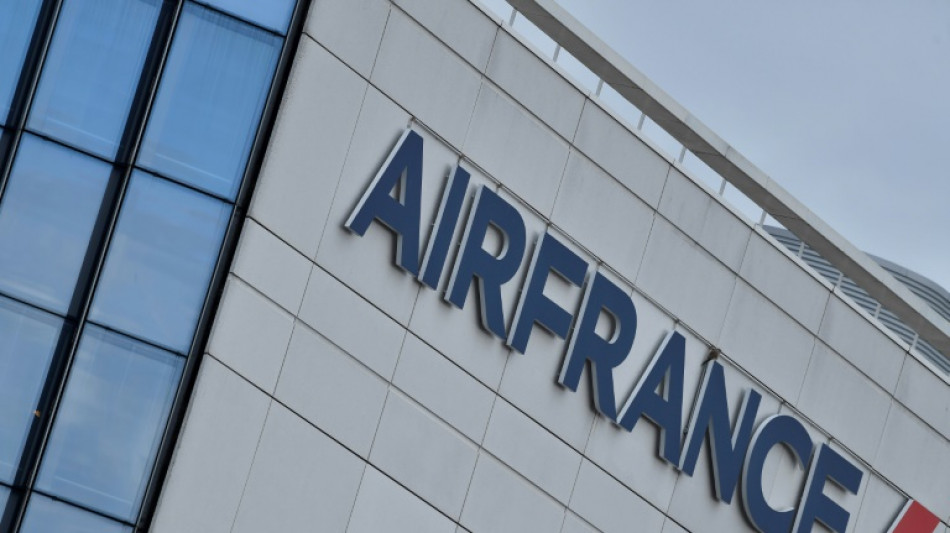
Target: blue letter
[445, 222]
[778, 429]
[827, 464]
[586, 345]
[549, 255]
[474, 262]
[666, 409]
[710, 419]
[402, 167]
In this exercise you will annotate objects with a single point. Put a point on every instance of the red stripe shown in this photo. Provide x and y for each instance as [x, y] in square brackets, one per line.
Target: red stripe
[915, 519]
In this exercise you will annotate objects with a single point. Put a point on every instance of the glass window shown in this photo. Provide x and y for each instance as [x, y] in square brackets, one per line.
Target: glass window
[210, 101]
[274, 14]
[47, 214]
[109, 423]
[92, 70]
[160, 261]
[45, 515]
[17, 19]
[27, 340]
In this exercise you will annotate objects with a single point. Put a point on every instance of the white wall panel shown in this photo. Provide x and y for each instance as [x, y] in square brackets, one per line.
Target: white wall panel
[879, 507]
[516, 148]
[633, 458]
[850, 334]
[501, 501]
[351, 29]
[532, 450]
[928, 396]
[599, 212]
[686, 280]
[366, 263]
[214, 455]
[426, 78]
[915, 457]
[271, 266]
[694, 503]
[761, 338]
[300, 477]
[518, 72]
[530, 382]
[621, 153]
[424, 454]
[785, 282]
[444, 388]
[308, 146]
[352, 323]
[576, 524]
[331, 390]
[672, 527]
[382, 505]
[251, 334]
[691, 209]
[844, 402]
[459, 24]
[610, 506]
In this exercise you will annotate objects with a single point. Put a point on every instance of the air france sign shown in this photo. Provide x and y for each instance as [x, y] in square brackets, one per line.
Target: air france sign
[737, 451]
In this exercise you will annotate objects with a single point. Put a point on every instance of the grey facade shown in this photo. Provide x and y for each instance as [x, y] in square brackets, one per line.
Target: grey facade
[338, 393]
[277, 371]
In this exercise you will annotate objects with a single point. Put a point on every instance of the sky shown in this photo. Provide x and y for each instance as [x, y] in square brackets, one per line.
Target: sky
[845, 103]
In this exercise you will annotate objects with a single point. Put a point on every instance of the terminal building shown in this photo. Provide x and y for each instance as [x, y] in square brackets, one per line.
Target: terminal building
[426, 266]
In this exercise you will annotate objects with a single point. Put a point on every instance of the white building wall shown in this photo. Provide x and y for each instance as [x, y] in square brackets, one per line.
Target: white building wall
[340, 393]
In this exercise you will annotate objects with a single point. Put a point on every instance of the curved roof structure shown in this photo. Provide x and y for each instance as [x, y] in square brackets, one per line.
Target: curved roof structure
[929, 291]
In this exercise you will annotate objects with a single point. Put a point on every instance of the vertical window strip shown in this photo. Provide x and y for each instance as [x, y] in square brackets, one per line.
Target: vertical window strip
[16, 509]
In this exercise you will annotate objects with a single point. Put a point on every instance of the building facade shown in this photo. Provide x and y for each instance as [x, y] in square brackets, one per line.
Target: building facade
[384, 265]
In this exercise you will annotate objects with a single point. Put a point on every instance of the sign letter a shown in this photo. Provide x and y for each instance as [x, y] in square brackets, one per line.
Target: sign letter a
[399, 210]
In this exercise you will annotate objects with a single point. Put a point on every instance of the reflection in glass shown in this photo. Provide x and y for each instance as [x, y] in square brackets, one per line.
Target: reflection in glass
[91, 71]
[160, 262]
[210, 100]
[17, 19]
[274, 15]
[109, 423]
[27, 340]
[45, 515]
[47, 214]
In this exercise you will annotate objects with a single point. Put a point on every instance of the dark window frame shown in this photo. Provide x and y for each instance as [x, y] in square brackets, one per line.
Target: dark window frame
[11, 517]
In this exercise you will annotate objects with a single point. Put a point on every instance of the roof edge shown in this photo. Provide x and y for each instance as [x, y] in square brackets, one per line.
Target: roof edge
[696, 137]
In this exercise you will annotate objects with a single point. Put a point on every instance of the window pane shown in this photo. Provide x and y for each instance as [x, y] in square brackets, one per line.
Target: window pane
[17, 20]
[91, 71]
[210, 101]
[109, 423]
[46, 217]
[45, 515]
[160, 261]
[274, 14]
[27, 340]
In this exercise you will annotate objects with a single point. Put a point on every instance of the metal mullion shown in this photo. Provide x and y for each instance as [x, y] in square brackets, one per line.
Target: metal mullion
[252, 169]
[95, 256]
[136, 338]
[26, 86]
[16, 121]
[62, 144]
[25, 475]
[83, 508]
[31, 305]
[215, 9]
[184, 185]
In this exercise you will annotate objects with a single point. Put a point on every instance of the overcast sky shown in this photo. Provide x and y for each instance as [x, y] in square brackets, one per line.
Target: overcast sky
[844, 103]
